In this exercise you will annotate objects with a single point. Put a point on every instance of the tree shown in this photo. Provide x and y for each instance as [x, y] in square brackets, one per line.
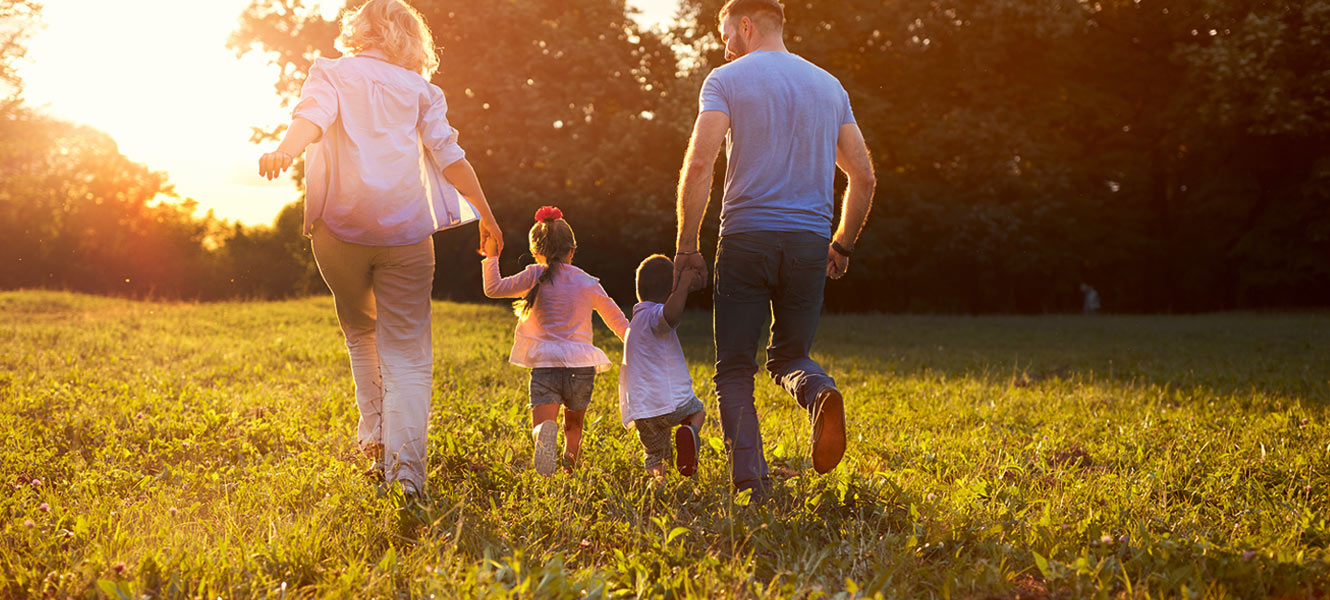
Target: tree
[17, 20]
[556, 104]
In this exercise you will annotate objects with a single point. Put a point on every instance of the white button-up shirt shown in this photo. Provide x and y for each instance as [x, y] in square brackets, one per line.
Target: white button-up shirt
[376, 175]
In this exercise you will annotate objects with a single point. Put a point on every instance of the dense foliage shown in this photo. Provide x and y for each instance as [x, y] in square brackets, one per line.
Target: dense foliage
[1174, 154]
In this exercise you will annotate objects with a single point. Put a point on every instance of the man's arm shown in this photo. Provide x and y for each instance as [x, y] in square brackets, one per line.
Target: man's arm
[852, 157]
[695, 191]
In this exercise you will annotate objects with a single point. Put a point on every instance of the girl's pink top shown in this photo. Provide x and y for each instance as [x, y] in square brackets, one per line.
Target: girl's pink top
[557, 332]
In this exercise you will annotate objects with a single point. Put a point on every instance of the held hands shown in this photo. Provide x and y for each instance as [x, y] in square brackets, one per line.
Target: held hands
[274, 163]
[685, 280]
[491, 238]
[691, 263]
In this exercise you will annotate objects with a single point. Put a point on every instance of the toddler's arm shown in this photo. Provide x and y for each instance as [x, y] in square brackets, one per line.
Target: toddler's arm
[507, 287]
[609, 311]
[673, 311]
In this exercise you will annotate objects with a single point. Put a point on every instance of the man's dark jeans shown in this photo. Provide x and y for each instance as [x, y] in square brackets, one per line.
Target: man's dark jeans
[761, 274]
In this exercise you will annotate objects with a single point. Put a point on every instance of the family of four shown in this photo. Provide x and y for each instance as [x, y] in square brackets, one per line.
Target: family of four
[384, 171]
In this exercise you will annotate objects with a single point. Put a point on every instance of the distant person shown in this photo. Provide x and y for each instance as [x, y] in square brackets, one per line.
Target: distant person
[1091, 304]
[655, 389]
[553, 335]
[789, 127]
[383, 173]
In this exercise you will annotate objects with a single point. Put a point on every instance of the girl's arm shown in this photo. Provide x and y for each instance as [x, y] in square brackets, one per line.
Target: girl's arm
[609, 311]
[300, 134]
[508, 287]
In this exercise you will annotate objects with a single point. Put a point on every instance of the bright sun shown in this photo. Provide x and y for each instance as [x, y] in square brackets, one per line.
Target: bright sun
[157, 76]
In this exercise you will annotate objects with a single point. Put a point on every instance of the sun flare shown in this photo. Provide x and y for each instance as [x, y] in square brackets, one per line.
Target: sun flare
[157, 76]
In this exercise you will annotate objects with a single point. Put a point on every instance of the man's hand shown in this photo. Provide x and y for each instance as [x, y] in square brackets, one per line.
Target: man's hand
[693, 263]
[274, 163]
[837, 263]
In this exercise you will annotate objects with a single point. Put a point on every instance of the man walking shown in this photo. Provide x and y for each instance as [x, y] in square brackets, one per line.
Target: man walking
[789, 127]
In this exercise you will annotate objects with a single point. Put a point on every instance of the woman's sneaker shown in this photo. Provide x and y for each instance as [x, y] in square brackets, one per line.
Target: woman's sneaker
[546, 455]
[687, 445]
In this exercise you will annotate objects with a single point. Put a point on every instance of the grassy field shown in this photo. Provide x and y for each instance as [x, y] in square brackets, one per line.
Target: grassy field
[206, 450]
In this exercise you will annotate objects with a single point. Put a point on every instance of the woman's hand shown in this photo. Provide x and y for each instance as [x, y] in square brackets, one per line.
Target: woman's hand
[274, 163]
[491, 238]
[489, 246]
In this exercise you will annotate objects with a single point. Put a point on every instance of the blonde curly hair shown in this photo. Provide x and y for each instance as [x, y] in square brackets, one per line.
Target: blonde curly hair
[394, 28]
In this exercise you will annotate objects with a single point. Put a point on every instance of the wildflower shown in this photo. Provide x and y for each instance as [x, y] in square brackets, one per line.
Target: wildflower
[173, 511]
[118, 567]
[1248, 555]
[29, 524]
[1307, 488]
[36, 482]
[44, 507]
[930, 497]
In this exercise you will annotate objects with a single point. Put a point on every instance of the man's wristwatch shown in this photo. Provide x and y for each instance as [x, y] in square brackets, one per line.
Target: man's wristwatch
[835, 245]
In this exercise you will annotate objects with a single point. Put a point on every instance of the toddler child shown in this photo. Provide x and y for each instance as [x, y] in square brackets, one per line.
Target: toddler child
[553, 335]
[655, 389]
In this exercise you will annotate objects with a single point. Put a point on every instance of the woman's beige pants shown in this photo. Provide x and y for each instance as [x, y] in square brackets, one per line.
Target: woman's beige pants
[382, 295]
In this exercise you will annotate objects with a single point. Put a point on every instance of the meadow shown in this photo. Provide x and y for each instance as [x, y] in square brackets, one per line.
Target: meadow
[207, 450]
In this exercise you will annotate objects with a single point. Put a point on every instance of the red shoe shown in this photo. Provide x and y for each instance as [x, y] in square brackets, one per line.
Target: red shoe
[687, 446]
[828, 430]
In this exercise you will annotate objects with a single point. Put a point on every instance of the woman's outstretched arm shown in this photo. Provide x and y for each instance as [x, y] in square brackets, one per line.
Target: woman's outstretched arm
[300, 134]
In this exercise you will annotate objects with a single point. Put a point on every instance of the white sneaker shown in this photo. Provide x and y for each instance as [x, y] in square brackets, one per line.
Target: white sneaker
[546, 455]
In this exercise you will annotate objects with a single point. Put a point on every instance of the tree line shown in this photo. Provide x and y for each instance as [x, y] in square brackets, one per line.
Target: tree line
[1173, 154]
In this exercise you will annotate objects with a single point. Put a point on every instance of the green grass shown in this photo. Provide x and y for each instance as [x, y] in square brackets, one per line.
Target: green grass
[206, 450]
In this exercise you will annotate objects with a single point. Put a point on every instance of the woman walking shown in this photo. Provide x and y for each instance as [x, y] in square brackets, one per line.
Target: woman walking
[383, 173]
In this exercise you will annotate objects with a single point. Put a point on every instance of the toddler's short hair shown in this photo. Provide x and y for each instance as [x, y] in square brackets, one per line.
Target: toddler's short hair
[655, 278]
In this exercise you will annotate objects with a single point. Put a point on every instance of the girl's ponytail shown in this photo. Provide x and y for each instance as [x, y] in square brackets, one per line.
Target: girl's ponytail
[551, 237]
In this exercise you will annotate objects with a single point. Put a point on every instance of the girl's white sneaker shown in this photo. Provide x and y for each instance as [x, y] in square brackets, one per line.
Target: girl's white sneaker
[546, 455]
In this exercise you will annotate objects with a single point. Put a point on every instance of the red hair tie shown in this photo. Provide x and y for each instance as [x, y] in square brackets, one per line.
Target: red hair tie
[548, 213]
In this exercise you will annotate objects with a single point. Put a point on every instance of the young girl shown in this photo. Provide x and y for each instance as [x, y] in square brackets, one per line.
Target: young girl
[383, 173]
[553, 336]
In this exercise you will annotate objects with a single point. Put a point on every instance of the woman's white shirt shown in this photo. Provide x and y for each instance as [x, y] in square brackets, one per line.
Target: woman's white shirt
[375, 177]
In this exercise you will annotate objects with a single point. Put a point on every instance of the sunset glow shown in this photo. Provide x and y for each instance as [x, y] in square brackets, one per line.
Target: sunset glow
[157, 76]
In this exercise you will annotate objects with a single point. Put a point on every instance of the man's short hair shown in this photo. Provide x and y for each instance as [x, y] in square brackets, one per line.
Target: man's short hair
[770, 12]
[655, 278]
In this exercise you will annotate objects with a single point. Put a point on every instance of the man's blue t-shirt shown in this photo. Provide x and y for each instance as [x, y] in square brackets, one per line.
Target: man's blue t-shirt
[785, 117]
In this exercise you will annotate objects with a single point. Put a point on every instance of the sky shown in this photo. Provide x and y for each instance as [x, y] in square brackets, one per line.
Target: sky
[175, 98]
